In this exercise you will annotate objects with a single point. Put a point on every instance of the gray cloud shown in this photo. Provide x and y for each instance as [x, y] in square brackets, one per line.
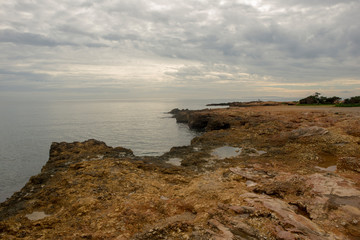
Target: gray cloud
[309, 3]
[188, 42]
[28, 75]
[12, 36]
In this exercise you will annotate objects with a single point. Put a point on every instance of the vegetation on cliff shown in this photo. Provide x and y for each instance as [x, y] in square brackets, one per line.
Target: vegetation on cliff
[351, 102]
[317, 99]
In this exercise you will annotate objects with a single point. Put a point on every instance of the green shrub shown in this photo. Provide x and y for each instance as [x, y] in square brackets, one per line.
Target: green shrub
[352, 100]
[317, 99]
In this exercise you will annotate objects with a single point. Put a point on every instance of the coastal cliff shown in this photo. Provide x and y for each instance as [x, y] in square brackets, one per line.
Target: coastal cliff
[265, 172]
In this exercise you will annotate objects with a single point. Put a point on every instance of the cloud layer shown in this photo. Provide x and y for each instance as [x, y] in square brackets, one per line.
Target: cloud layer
[181, 49]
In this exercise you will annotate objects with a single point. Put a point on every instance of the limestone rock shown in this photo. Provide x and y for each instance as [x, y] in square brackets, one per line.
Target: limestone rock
[308, 131]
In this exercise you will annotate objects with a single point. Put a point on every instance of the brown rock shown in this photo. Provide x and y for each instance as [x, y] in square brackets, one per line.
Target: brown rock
[349, 163]
[296, 224]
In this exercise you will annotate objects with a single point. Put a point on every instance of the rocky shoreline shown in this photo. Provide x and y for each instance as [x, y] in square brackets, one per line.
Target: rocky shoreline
[264, 172]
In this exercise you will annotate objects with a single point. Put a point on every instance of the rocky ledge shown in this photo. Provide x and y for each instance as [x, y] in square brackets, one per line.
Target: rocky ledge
[275, 172]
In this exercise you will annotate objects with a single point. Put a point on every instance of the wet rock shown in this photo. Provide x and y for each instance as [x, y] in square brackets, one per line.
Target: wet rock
[181, 116]
[217, 124]
[199, 121]
[175, 111]
[179, 151]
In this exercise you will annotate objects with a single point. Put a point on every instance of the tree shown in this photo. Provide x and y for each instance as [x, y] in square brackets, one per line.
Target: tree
[317, 99]
[313, 99]
[352, 100]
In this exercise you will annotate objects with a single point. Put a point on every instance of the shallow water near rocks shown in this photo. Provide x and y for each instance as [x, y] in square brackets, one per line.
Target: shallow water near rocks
[27, 130]
[226, 152]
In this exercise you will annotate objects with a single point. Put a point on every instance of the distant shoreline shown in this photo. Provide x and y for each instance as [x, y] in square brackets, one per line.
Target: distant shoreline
[251, 104]
[275, 103]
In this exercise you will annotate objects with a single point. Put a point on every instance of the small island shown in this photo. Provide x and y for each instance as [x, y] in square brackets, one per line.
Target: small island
[258, 172]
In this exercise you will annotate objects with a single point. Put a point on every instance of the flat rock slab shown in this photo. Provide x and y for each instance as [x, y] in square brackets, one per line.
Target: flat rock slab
[308, 131]
[295, 225]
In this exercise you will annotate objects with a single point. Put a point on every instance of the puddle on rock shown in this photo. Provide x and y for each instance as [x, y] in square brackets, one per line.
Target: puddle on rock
[36, 216]
[327, 162]
[327, 169]
[174, 161]
[226, 152]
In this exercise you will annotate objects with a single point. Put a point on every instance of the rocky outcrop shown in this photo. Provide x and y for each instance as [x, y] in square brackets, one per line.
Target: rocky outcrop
[181, 116]
[62, 155]
[274, 184]
[200, 120]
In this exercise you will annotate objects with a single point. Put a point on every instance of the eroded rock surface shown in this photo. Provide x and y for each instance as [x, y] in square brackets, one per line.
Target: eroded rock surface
[273, 187]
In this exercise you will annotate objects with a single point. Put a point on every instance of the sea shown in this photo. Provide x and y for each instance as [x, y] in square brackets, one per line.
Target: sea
[27, 130]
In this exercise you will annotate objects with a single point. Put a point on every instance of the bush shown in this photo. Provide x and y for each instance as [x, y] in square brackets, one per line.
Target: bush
[316, 99]
[352, 100]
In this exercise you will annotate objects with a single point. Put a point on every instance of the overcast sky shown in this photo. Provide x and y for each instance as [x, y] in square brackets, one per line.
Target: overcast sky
[179, 49]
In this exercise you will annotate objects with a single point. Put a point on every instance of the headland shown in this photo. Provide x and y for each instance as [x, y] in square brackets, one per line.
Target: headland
[259, 172]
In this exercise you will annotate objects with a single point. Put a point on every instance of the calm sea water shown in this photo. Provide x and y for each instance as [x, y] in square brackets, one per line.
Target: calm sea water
[28, 128]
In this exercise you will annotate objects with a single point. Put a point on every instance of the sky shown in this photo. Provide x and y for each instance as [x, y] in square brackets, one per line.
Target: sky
[179, 49]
